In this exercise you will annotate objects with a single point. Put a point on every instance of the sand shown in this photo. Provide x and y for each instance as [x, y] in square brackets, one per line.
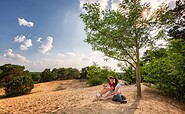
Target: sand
[74, 97]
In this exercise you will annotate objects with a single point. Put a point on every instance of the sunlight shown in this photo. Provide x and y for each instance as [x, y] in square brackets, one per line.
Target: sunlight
[145, 13]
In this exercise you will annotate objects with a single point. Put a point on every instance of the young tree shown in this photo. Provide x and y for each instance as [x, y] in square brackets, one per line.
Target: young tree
[121, 34]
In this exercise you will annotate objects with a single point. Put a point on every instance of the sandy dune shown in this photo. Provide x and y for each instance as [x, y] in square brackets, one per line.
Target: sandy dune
[74, 97]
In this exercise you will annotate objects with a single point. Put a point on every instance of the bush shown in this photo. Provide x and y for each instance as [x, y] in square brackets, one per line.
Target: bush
[36, 77]
[18, 86]
[97, 76]
[9, 71]
[47, 76]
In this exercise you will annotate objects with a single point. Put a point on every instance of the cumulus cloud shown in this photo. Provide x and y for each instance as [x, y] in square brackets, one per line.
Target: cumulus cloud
[103, 3]
[71, 53]
[26, 45]
[61, 55]
[19, 38]
[85, 58]
[12, 56]
[39, 40]
[156, 3]
[23, 22]
[153, 3]
[46, 45]
[115, 4]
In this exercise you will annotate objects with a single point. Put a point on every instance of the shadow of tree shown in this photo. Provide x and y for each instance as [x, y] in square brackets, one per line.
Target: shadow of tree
[131, 109]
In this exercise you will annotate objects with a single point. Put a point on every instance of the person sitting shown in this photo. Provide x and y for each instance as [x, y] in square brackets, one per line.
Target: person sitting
[116, 94]
[116, 91]
[107, 89]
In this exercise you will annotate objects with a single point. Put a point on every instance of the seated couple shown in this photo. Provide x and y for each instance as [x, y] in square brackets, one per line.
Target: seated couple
[109, 90]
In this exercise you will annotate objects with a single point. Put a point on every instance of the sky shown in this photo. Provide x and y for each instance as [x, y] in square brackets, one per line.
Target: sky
[41, 34]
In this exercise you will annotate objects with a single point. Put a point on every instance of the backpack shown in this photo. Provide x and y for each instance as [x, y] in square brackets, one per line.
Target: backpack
[119, 98]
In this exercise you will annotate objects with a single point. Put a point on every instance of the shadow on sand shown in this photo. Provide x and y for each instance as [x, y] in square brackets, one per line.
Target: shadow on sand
[132, 108]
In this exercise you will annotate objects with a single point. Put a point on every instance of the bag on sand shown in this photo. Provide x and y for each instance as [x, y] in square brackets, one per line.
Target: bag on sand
[119, 98]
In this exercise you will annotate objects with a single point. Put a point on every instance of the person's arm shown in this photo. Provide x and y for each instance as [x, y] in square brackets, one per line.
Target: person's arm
[115, 91]
[110, 88]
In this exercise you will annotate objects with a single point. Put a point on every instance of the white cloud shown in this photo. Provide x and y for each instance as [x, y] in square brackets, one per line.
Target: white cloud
[115, 4]
[156, 3]
[39, 40]
[26, 45]
[153, 3]
[61, 55]
[85, 58]
[12, 56]
[71, 53]
[103, 3]
[19, 38]
[23, 22]
[46, 45]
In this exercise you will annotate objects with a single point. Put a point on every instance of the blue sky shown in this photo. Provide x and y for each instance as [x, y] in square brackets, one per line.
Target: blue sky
[43, 34]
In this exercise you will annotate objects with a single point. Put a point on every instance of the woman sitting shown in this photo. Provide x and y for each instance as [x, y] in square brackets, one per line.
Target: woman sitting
[116, 91]
[107, 89]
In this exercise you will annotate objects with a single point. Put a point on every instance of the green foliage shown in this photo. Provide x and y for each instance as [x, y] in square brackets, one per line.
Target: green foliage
[168, 72]
[36, 77]
[83, 73]
[178, 30]
[9, 71]
[97, 75]
[46, 75]
[71, 73]
[128, 73]
[18, 86]
[60, 74]
[129, 76]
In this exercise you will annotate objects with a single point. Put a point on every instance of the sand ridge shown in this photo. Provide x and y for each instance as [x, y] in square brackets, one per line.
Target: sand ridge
[74, 97]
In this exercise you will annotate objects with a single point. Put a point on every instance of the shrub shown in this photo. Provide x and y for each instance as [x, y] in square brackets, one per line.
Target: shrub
[36, 77]
[18, 86]
[9, 71]
[97, 76]
[47, 76]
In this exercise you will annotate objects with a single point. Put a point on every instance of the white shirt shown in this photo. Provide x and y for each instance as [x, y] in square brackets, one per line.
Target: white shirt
[119, 88]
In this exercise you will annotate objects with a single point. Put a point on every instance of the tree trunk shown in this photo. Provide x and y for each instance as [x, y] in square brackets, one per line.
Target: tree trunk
[138, 77]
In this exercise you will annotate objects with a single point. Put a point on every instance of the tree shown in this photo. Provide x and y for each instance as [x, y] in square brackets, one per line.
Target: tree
[121, 34]
[9, 71]
[97, 75]
[19, 85]
[71, 73]
[46, 75]
[167, 72]
[83, 74]
[36, 77]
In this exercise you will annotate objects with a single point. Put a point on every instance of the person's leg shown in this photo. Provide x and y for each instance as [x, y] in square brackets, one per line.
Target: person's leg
[104, 91]
[101, 93]
[106, 94]
[107, 97]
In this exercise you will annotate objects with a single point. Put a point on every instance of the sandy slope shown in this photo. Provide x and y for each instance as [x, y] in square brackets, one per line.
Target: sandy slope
[74, 97]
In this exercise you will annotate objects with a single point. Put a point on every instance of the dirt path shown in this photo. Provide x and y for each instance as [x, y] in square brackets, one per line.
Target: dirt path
[74, 97]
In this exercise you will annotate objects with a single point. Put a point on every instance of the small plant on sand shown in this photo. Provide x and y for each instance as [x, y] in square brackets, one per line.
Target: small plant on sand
[18, 86]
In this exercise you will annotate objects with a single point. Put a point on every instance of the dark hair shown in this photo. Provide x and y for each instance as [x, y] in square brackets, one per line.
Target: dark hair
[111, 77]
[116, 82]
